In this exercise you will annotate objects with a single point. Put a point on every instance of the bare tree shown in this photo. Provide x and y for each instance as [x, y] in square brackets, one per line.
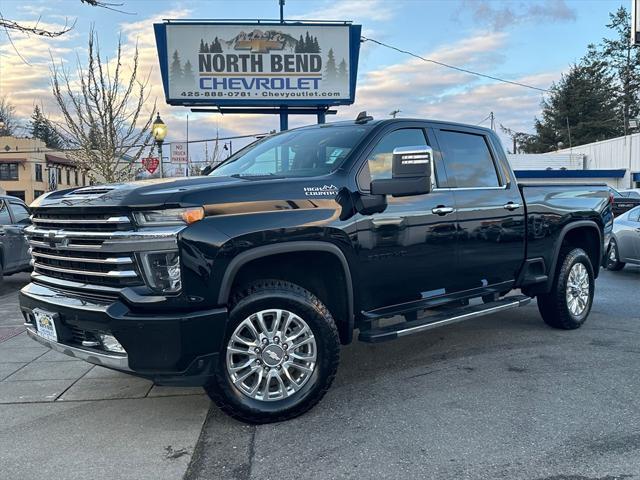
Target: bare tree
[103, 113]
[35, 29]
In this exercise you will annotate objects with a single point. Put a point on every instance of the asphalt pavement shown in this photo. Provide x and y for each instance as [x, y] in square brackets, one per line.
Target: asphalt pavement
[496, 397]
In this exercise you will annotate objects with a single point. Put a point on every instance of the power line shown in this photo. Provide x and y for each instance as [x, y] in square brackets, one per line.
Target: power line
[442, 64]
[49, 150]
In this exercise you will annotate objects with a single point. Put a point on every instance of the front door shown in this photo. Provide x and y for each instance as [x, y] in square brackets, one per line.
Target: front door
[491, 218]
[407, 252]
[8, 238]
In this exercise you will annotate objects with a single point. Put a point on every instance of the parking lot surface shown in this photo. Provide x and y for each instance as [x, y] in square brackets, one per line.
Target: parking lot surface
[502, 396]
[497, 397]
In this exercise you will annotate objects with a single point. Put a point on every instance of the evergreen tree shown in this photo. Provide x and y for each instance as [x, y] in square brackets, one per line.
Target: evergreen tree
[202, 48]
[40, 127]
[581, 108]
[343, 74]
[175, 72]
[330, 72]
[623, 60]
[316, 45]
[187, 74]
[299, 45]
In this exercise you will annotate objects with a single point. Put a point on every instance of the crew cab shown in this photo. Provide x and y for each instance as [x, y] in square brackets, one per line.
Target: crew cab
[248, 280]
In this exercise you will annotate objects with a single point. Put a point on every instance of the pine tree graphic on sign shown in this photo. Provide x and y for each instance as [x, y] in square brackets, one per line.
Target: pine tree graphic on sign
[187, 75]
[330, 72]
[343, 72]
[175, 72]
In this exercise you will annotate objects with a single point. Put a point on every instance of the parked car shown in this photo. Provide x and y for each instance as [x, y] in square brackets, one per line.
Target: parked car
[622, 202]
[631, 192]
[14, 248]
[247, 281]
[624, 246]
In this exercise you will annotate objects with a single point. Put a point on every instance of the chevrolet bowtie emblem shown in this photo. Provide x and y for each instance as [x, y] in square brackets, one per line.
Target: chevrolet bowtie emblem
[55, 240]
[259, 45]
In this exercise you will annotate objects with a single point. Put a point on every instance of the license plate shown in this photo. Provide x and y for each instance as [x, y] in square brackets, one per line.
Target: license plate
[45, 326]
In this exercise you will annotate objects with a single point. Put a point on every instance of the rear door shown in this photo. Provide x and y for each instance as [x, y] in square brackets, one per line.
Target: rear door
[8, 237]
[490, 210]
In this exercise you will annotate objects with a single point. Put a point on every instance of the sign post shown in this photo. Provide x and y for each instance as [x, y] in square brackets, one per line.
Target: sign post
[259, 67]
[635, 22]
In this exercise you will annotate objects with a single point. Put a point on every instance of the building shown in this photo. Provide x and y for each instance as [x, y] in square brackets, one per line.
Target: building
[28, 169]
[615, 161]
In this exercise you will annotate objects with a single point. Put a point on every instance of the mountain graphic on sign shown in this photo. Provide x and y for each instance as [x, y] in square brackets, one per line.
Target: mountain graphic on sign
[258, 41]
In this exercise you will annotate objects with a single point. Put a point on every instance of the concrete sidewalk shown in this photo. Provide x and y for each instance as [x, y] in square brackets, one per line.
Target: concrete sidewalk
[64, 418]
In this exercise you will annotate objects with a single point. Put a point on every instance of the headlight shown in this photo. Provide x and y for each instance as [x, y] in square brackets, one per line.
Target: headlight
[170, 216]
[162, 270]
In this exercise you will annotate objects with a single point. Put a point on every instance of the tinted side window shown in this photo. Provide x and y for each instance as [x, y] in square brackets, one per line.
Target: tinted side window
[20, 213]
[5, 218]
[634, 215]
[468, 159]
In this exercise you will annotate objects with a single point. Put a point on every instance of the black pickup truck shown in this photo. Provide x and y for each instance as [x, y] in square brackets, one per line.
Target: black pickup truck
[246, 281]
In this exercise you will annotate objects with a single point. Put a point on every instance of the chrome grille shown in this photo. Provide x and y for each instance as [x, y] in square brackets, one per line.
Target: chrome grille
[71, 247]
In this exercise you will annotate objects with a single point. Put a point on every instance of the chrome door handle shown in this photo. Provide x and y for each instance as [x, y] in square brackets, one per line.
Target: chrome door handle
[511, 206]
[442, 210]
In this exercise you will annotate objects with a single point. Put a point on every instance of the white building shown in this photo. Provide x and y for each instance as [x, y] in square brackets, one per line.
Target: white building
[615, 161]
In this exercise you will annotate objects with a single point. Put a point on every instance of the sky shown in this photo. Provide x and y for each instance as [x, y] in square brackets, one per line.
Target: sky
[532, 42]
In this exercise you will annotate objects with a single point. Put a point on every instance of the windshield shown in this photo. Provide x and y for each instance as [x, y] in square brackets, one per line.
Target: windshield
[297, 153]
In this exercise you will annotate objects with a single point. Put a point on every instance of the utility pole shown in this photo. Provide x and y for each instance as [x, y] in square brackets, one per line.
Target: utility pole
[187, 169]
[281, 11]
[393, 113]
[493, 118]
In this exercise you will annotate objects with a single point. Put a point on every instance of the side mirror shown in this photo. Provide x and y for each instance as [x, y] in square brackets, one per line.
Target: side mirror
[412, 167]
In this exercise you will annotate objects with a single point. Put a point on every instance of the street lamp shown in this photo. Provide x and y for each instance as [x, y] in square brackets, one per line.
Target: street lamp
[159, 132]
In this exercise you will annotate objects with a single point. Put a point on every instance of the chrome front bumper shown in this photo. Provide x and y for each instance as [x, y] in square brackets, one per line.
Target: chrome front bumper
[118, 362]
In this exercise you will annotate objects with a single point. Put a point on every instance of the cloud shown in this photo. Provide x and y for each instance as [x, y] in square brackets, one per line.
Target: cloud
[356, 10]
[424, 90]
[27, 84]
[502, 15]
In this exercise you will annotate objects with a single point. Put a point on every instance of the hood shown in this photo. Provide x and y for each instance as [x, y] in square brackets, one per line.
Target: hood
[191, 191]
[143, 193]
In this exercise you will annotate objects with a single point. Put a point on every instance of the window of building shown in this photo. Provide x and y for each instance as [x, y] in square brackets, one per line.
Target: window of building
[5, 218]
[84, 180]
[9, 171]
[20, 212]
[59, 173]
[68, 177]
[468, 160]
[38, 172]
[37, 193]
[75, 173]
[16, 193]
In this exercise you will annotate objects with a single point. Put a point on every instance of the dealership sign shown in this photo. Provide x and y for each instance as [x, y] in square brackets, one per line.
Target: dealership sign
[258, 64]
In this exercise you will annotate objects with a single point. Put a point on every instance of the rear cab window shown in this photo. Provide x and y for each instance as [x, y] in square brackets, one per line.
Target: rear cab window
[468, 160]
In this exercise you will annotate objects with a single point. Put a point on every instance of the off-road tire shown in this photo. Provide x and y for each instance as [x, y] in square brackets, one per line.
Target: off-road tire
[553, 305]
[267, 294]
[617, 264]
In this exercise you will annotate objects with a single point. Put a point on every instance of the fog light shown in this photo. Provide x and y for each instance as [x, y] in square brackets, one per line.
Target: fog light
[162, 270]
[110, 343]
